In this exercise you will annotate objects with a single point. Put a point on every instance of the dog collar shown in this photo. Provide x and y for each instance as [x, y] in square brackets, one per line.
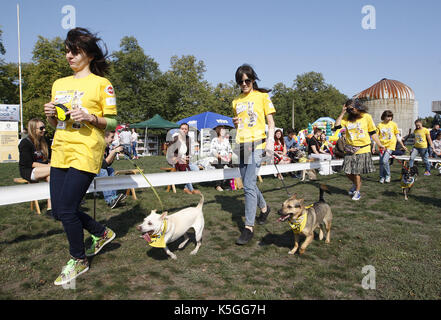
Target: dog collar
[158, 240]
[407, 183]
[298, 224]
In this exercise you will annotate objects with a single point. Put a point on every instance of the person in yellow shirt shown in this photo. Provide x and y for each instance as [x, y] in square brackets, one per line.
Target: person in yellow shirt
[359, 129]
[251, 108]
[78, 145]
[422, 141]
[388, 134]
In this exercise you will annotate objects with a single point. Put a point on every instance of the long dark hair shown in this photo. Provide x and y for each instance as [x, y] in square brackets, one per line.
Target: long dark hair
[81, 39]
[356, 104]
[251, 74]
[281, 139]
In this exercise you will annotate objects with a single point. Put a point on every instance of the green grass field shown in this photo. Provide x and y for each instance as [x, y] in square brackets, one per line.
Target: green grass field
[401, 240]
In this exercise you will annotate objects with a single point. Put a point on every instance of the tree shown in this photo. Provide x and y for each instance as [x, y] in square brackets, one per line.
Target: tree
[187, 91]
[282, 98]
[8, 78]
[224, 94]
[48, 64]
[313, 98]
[136, 79]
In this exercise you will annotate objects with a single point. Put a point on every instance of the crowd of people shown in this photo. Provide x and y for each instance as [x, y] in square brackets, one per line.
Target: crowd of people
[86, 143]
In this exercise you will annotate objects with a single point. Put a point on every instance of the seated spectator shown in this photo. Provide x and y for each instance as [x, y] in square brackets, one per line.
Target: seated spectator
[339, 150]
[35, 154]
[433, 133]
[111, 197]
[220, 148]
[292, 145]
[437, 146]
[315, 151]
[181, 158]
[280, 151]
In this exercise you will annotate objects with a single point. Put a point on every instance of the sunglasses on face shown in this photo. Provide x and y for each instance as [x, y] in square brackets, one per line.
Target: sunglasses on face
[42, 128]
[247, 82]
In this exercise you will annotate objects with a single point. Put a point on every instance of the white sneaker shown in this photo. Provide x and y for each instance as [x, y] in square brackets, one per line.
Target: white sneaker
[356, 196]
[381, 180]
[387, 180]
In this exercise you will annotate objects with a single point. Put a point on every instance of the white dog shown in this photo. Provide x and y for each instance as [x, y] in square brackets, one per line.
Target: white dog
[165, 229]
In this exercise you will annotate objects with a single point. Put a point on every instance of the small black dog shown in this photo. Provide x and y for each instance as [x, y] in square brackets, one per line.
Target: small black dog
[408, 178]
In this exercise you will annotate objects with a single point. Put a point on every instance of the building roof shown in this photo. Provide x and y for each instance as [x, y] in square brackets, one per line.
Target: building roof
[387, 89]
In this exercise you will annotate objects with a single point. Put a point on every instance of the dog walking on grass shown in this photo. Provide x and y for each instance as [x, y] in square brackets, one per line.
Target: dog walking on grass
[305, 219]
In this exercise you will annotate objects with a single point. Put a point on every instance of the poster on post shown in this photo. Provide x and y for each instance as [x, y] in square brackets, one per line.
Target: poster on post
[9, 112]
[8, 141]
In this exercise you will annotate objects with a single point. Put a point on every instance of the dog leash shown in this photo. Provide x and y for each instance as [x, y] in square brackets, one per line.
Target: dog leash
[283, 182]
[139, 169]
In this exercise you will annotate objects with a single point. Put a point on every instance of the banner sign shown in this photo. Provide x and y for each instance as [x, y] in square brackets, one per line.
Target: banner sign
[8, 141]
[9, 112]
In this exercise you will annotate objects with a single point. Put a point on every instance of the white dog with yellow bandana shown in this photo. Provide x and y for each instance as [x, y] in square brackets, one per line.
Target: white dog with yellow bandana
[160, 229]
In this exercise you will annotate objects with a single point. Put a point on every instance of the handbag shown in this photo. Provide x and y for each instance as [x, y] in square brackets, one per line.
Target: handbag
[350, 150]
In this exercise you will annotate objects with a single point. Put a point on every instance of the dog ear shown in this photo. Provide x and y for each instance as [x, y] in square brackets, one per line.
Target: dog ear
[294, 196]
[302, 202]
[153, 211]
[163, 215]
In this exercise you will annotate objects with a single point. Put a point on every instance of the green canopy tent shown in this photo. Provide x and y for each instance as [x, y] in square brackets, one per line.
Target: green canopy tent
[157, 122]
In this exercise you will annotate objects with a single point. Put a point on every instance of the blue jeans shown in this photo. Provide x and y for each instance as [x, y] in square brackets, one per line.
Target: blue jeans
[384, 164]
[193, 167]
[109, 195]
[67, 189]
[253, 197]
[424, 153]
[134, 153]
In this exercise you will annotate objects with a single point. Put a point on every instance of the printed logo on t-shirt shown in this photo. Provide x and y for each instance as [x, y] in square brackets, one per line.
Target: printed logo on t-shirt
[109, 90]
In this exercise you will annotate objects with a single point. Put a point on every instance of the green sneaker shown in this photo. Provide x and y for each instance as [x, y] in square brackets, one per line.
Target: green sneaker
[99, 242]
[73, 269]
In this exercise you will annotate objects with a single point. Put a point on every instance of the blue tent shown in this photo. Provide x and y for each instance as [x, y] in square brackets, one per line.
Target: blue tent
[207, 120]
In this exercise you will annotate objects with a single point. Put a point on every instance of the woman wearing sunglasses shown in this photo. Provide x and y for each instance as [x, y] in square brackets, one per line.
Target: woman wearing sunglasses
[78, 146]
[251, 108]
[359, 129]
[35, 155]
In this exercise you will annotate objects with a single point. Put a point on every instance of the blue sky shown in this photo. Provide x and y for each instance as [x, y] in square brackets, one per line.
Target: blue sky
[281, 39]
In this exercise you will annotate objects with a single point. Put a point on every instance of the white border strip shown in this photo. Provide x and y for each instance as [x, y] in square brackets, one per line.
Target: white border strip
[39, 191]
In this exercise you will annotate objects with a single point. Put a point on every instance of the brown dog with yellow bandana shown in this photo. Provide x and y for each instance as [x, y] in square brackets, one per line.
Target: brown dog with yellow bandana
[305, 219]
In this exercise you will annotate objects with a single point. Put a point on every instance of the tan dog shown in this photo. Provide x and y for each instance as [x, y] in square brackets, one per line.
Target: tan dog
[163, 229]
[304, 220]
[310, 172]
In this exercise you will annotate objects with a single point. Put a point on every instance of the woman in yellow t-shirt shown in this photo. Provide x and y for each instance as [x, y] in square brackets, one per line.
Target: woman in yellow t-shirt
[78, 145]
[251, 108]
[388, 134]
[422, 141]
[359, 128]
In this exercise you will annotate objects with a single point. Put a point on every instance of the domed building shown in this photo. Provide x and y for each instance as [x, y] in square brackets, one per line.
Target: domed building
[395, 96]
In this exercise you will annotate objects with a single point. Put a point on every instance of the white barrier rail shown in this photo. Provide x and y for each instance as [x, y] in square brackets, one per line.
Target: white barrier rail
[39, 191]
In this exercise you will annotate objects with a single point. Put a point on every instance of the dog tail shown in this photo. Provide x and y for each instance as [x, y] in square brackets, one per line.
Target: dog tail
[201, 202]
[323, 188]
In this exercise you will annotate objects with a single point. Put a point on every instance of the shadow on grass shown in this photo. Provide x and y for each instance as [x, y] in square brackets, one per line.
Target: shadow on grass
[423, 199]
[33, 237]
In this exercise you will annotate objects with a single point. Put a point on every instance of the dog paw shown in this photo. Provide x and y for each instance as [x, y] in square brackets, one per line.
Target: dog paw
[301, 251]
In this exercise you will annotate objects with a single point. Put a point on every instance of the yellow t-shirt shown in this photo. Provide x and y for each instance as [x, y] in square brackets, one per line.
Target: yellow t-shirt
[357, 132]
[387, 133]
[81, 148]
[420, 137]
[252, 109]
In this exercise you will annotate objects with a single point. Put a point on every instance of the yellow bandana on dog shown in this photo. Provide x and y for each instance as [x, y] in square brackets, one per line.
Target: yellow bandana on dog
[158, 240]
[299, 224]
